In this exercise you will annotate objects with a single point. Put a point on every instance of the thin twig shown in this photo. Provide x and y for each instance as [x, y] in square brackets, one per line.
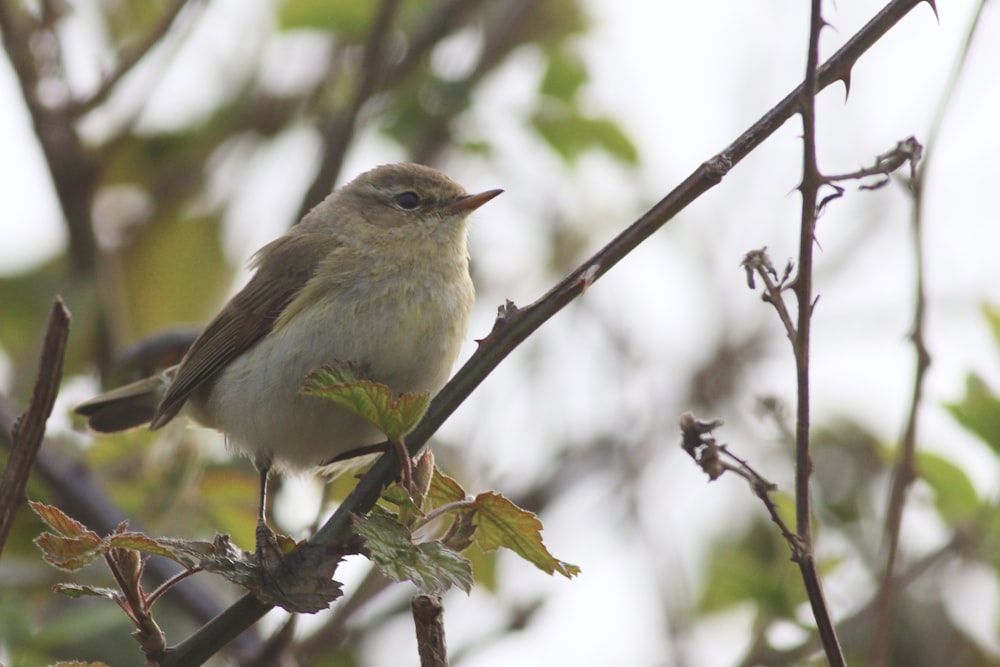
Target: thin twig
[905, 470]
[28, 431]
[515, 325]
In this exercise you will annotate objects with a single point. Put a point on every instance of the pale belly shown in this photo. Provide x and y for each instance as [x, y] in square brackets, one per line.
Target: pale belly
[256, 399]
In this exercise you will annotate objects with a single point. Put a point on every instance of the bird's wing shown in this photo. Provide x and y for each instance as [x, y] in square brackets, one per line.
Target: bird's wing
[284, 267]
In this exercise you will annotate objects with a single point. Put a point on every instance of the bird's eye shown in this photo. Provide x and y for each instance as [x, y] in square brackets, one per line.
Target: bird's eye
[408, 200]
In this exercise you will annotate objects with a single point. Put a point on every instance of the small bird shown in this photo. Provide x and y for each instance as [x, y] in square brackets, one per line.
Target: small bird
[377, 275]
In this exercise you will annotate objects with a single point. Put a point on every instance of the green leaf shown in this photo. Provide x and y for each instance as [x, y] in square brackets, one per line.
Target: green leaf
[992, 314]
[979, 411]
[570, 134]
[565, 74]
[954, 496]
[62, 523]
[69, 553]
[393, 415]
[431, 566]
[445, 489]
[753, 568]
[501, 523]
[346, 17]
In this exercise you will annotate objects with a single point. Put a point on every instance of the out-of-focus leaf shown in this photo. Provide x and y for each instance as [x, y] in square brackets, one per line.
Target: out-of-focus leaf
[992, 314]
[954, 496]
[174, 272]
[979, 411]
[564, 76]
[345, 17]
[753, 568]
[570, 134]
[228, 500]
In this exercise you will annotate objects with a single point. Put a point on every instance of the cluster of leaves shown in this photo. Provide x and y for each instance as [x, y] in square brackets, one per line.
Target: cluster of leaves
[420, 540]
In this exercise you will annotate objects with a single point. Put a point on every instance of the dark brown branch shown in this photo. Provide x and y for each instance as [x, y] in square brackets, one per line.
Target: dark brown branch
[514, 326]
[29, 430]
[811, 182]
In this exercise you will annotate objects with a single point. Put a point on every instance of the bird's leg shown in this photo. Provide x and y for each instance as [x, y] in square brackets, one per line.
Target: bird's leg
[267, 550]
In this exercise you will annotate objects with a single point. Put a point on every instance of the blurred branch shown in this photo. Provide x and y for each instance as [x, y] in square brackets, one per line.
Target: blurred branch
[74, 173]
[73, 170]
[856, 626]
[514, 325]
[127, 62]
[905, 470]
[501, 34]
[337, 135]
[28, 430]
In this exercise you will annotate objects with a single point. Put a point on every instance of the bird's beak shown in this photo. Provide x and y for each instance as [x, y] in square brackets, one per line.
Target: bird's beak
[469, 203]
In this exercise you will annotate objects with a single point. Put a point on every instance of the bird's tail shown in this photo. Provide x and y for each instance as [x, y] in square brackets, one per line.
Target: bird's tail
[126, 407]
